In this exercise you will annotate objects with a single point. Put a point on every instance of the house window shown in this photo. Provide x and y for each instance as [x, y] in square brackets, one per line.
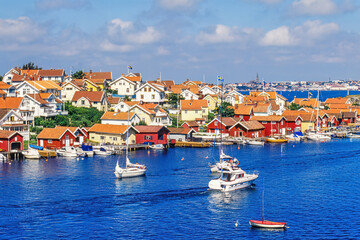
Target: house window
[115, 138]
[102, 137]
[196, 111]
[273, 122]
[298, 122]
[82, 102]
[50, 141]
[127, 90]
[63, 141]
[71, 141]
[147, 137]
[161, 137]
[185, 111]
[153, 96]
[203, 111]
[145, 89]
[264, 122]
[141, 96]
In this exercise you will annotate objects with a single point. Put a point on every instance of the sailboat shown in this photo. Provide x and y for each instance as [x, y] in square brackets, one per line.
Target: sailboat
[232, 177]
[131, 169]
[265, 223]
[317, 135]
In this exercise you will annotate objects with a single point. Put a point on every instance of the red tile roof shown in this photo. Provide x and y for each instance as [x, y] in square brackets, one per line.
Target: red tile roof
[149, 129]
[52, 72]
[10, 102]
[6, 134]
[117, 115]
[94, 96]
[109, 128]
[52, 133]
[193, 104]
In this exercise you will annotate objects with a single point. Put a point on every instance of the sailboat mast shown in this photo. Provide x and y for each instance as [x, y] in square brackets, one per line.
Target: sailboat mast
[263, 201]
[127, 136]
[317, 112]
[221, 109]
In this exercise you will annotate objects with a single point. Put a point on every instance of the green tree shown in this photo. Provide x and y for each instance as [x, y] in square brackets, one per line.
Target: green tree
[127, 98]
[174, 99]
[78, 75]
[30, 66]
[227, 110]
[294, 106]
[143, 123]
[1, 78]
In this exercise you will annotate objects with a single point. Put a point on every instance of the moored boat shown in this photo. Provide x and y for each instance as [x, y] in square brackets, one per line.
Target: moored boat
[31, 153]
[67, 152]
[157, 146]
[255, 142]
[266, 224]
[101, 150]
[275, 140]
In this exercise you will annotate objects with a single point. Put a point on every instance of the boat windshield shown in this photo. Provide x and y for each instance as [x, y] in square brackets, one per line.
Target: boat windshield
[225, 177]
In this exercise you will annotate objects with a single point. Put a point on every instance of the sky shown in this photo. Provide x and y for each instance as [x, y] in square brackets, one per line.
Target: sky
[280, 40]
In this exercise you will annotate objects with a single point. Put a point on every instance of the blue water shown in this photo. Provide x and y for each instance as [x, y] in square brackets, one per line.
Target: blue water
[314, 187]
[323, 95]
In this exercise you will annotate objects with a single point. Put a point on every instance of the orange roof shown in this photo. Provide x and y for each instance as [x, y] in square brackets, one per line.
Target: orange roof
[44, 85]
[98, 75]
[6, 134]
[72, 129]
[2, 92]
[10, 102]
[38, 98]
[338, 106]
[180, 130]
[52, 133]
[263, 108]
[29, 72]
[131, 103]
[95, 96]
[274, 118]
[113, 100]
[52, 72]
[272, 95]
[252, 125]
[4, 85]
[109, 128]
[338, 100]
[117, 115]
[45, 95]
[149, 129]
[243, 110]
[193, 104]
[134, 79]
[191, 123]
[252, 99]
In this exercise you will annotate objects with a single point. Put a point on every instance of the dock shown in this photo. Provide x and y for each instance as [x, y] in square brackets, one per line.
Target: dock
[193, 144]
[47, 153]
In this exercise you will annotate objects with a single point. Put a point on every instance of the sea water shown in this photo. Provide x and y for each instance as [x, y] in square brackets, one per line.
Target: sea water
[314, 187]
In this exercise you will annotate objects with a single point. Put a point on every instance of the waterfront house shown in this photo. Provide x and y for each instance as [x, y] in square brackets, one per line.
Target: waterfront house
[262, 109]
[224, 124]
[191, 124]
[192, 109]
[274, 124]
[348, 118]
[120, 118]
[244, 112]
[152, 135]
[13, 121]
[80, 134]
[113, 134]
[55, 138]
[293, 121]
[180, 134]
[68, 91]
[87, 99]
[123, 86]
[11, 141]
[19, 106]
[249, 129]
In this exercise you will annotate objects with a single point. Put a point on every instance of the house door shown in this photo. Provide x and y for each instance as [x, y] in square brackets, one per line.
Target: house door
[81, 139]
[67, 141]
[41, 142]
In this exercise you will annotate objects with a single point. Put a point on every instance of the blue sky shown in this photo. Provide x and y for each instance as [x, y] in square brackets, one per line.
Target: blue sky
[281, 40]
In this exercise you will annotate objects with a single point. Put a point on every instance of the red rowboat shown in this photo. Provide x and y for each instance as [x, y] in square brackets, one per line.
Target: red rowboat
[267, 224]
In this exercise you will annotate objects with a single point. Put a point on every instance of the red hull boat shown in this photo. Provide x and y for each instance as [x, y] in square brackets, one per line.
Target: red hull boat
[267, 224]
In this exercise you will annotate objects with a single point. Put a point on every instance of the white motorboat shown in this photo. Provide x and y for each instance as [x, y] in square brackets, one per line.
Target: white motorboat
[231, 179]
[353, 135]
[67, 152]
[157, 146]
[293, 138]
[88, 150]
[131, 169]
[101, 150]
[225, 161]
[255, 142]
[31, 153]
[317, 136]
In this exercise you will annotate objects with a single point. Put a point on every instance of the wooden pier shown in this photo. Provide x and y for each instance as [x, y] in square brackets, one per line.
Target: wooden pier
[47, 153]
[193, 144]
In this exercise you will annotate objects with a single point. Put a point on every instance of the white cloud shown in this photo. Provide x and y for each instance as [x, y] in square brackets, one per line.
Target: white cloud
[314, 7]
[22, 29]
[111, 47]
[176, 4]
[125, 32]
[221, 34]
[162, 51]
[305, 34]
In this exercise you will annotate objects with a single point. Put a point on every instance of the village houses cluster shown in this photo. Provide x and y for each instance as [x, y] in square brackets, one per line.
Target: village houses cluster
[144, 111]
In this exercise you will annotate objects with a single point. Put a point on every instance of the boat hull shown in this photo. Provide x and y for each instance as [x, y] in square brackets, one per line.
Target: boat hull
[270, 140]
[128, 173]
[223, 186]
[266, 224]
[102, 153]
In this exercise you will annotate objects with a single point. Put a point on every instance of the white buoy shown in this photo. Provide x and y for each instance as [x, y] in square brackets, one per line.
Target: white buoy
[237, 223]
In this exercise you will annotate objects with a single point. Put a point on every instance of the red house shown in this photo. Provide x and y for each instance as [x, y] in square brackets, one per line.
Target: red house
[80, 134]
[250, 129]
[224, 125]
[348, 118]
[244, 112]
[10, 140]
[191, 124]
[152, 134]
[54, 138]
[274, 124]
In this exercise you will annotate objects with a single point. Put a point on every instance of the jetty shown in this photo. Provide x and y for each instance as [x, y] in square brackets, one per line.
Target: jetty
[193, 144]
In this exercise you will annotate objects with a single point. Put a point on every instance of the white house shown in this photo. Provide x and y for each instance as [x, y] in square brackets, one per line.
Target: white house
[120, 118]
[33, 87]
[68, 91]
[152, 114]
[7, 78]
[42, 104]
[12, 121]
[206, 90]
[148, 93]
[123, 86]
[124, 106]
[56, 75]
[188, 95]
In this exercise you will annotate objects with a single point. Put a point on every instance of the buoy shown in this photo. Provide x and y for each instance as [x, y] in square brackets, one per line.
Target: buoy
[182, 159]
[238, 147]
[148, 152]
[207, 157]
[293, 146]
[237, 223]
[45, 160]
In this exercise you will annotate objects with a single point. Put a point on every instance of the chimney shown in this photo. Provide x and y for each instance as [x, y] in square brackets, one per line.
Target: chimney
[158, 80]
[90, 71]
[122, 74]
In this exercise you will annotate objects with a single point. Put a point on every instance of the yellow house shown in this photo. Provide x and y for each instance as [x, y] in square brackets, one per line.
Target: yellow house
[114, 134]
[192, 109]
[307, 123]
[91, 86]
[212, 101]
[87, 99]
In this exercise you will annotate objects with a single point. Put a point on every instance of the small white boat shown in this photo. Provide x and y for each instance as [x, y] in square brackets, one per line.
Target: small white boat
[101, 150]
[317, 136]
[67, 152]
[232, 179]
[255, 142]
[31, 153]
[157, 146]
[131, 170]
[353, 135]
[2, 157]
